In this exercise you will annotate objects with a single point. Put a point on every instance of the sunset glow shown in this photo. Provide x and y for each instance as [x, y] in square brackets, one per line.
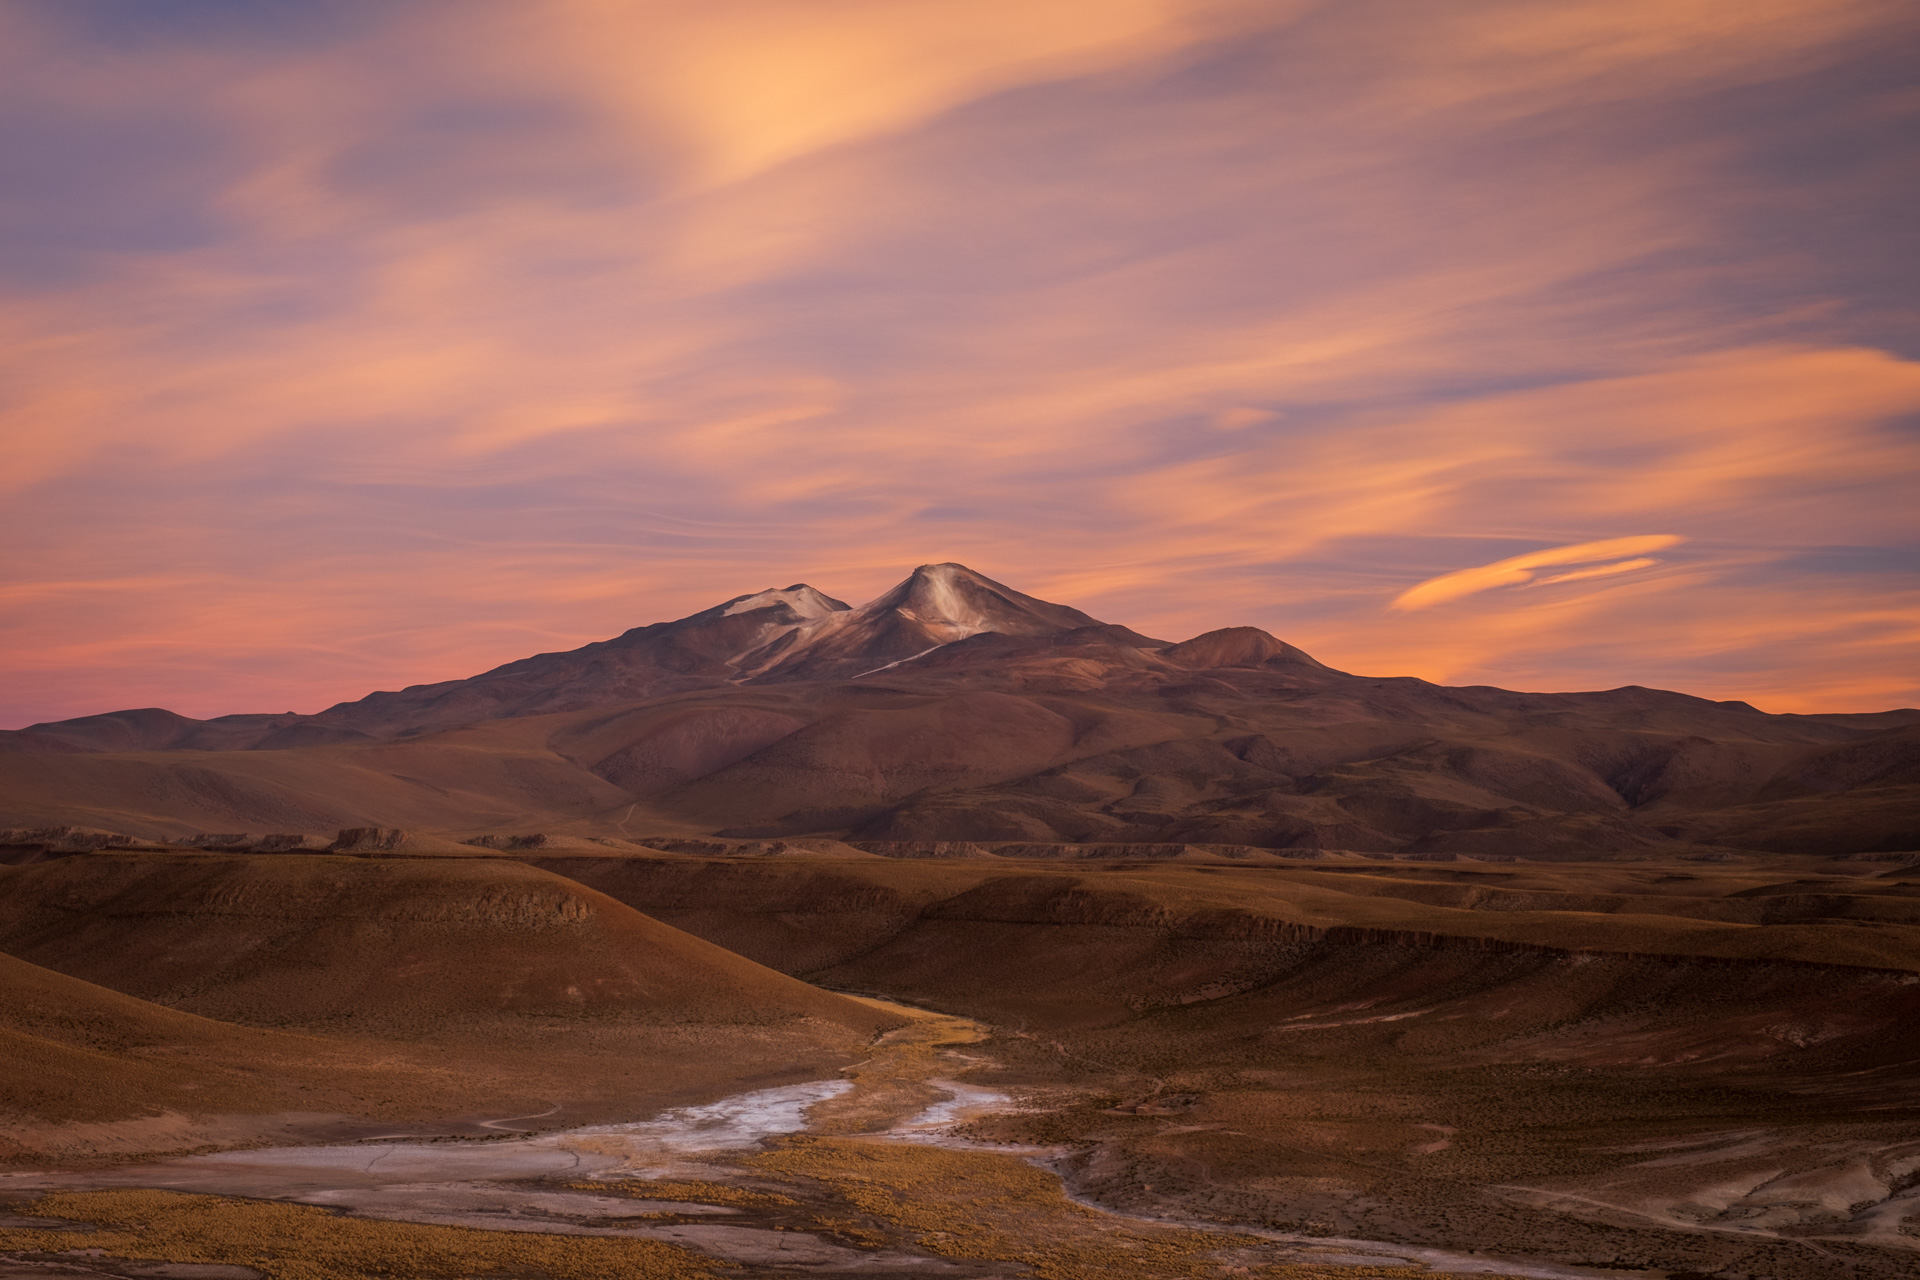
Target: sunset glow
[1553, 346]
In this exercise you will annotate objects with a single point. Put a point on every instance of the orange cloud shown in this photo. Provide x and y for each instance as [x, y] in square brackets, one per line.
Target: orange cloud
[508, 325]
[1519, 570]
[751, 84]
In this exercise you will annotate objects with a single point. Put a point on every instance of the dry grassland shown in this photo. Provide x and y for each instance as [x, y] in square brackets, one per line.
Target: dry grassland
[299, 1242]
[993, 1207]
[895, 1080]
[699, 1192]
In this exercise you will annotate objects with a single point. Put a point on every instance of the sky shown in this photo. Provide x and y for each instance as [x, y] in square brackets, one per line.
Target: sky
[1551, 344]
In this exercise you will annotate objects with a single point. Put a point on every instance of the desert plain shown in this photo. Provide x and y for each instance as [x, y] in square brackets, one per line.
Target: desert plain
[961, 934]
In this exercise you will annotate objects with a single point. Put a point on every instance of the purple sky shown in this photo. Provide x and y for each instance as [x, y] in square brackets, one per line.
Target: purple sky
[352, 345]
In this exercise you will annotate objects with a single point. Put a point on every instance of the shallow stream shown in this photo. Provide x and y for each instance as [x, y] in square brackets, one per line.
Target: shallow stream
[545, 1182]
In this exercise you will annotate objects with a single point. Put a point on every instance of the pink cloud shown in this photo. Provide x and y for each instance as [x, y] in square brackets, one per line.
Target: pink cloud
[507, 327]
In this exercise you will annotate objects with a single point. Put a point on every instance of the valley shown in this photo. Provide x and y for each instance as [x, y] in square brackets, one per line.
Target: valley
[1401, 1054]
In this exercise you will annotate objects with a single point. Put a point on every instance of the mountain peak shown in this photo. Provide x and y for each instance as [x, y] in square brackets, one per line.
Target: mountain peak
[933, 606]
[1237, 647]
[956, 602]
[801, 598]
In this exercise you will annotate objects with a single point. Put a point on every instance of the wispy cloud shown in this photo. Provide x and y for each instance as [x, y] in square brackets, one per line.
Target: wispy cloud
[396, 341]
[1522, 570]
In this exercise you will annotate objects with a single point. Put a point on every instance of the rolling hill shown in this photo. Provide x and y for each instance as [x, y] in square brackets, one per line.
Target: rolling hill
[161, 1002]
[425, 947]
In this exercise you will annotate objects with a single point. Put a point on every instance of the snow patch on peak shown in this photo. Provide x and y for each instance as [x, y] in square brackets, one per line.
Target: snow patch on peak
[934, 606]
[933, 596]
[800, 597]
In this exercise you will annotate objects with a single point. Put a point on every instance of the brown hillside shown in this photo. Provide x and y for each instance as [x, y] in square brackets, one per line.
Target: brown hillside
[816, 915]
[1235, 647]
[487, 777]
[74, 1051]
[401, 946]
[424, 993]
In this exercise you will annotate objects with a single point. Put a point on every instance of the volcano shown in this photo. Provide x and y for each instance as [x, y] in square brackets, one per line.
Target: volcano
[955, 708]
[938, 605]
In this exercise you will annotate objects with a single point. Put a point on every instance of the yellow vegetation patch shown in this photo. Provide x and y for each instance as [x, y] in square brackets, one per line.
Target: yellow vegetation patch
[983, 1205]
[895, 1082]
[300, 1242]
[696, 1192]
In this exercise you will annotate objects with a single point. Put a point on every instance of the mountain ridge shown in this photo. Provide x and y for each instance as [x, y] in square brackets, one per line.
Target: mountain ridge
[955, 708]
[777, 633]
